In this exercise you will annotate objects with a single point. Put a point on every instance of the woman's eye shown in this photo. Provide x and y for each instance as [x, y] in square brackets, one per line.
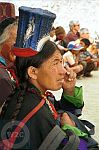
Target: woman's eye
[58, 62]
[55, 63]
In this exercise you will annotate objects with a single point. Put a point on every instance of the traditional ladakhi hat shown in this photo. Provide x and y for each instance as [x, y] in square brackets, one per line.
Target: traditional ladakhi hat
[7, 15]
[34, 24]
[6, 10]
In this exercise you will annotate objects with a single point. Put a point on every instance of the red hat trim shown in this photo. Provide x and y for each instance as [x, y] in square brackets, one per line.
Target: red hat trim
[24, 52]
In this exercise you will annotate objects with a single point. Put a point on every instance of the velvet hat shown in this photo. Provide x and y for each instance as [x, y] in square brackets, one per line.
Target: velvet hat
[33, 29]
[6, 10]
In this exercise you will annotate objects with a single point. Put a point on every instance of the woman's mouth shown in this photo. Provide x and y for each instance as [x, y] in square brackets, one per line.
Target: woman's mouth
[61, 80]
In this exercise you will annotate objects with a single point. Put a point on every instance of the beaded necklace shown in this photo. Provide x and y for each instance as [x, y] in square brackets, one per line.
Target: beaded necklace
[48, 102]
[51, 107]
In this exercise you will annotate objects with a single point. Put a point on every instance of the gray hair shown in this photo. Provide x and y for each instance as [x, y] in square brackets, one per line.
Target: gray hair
[84, 30]
[73, 22]
[6, 34]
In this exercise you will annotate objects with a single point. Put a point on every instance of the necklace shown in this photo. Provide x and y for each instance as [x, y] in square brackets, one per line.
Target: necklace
[48, 103]
[51, 107]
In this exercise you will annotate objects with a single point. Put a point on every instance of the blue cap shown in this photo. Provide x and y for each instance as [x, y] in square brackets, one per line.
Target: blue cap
[74, 46]
[34, 24]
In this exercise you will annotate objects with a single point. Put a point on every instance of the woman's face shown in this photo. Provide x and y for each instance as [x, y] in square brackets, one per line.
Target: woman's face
[76, 27]
[51, 73]
[84, 35]
[7, 45]
[61, 36]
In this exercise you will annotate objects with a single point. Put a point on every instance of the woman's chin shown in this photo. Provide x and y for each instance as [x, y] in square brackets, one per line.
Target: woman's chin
[57, 88]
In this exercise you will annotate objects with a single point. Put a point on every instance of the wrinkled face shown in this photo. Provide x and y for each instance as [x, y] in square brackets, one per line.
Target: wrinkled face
[51, 73]
[12, 38]
[76, 27]
[7, 45]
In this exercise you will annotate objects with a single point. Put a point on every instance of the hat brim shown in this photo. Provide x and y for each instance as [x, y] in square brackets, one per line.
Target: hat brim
[24, 52]
[78, 48]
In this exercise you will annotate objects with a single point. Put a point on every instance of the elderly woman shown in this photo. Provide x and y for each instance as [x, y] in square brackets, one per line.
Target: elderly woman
[73, 34]
[8, 32]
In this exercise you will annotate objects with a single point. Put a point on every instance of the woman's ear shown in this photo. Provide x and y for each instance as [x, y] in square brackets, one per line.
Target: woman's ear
[32, 72]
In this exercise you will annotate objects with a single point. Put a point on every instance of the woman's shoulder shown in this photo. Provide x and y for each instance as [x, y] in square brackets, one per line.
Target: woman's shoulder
[31, 99]
[27, 102]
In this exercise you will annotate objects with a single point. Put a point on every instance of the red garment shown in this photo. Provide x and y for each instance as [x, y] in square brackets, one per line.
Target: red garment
[72, 36]
[6, 10]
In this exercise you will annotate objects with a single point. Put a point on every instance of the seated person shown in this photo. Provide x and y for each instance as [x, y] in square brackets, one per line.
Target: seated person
[86, 59]
[60, 38]
[52, 34]
[93, 50]
[71, 57]
[73, 34]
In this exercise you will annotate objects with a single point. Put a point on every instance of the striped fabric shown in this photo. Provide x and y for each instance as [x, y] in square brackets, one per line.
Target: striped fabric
[6, 10]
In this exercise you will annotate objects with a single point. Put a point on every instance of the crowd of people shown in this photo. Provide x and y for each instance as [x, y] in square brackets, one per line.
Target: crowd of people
[79, 50]
[35, 59]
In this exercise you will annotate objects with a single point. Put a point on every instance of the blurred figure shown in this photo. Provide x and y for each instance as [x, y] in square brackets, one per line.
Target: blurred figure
[73, 34]
[52, 34]
[61, 39]
[86, 58]
[95, 56]
[84, 33]
[72, 56]
[8, 31]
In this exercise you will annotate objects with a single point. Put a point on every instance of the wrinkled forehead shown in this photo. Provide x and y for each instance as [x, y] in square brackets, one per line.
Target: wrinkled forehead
[57, 56]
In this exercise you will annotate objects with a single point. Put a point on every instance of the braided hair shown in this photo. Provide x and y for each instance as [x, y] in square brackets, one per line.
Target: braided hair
[4, 108]
[22, 64]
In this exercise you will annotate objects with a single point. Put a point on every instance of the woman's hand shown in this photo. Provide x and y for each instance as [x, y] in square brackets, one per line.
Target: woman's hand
[65, 119]
[69, 81]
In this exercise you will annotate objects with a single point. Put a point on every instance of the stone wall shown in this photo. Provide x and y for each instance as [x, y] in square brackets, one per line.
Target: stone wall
[86, 11]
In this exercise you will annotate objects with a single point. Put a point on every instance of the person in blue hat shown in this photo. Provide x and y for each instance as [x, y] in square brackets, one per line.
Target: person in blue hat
[37, 58]
[71, 57]
[30, 109]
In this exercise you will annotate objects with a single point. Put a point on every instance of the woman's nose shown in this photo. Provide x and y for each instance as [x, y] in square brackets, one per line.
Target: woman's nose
[63, 70]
